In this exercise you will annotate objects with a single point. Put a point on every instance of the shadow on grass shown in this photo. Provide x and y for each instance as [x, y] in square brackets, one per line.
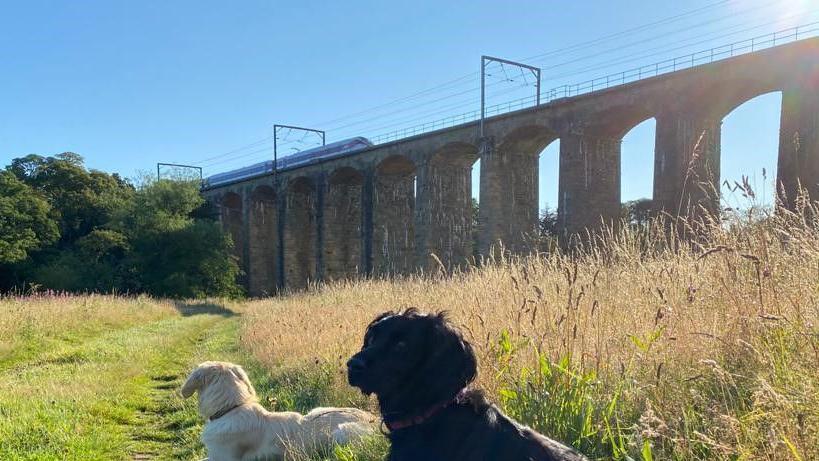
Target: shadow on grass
[188, 309]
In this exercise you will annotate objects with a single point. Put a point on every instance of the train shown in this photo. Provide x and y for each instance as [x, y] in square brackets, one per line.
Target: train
[299, 159]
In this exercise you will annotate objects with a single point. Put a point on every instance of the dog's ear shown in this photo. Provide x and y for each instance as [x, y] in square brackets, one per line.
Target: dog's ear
[241, 375]
[195, 381]
[469, 363]
[457, 365]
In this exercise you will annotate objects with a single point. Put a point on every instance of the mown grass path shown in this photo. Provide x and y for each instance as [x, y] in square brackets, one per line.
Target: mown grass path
[112, 395]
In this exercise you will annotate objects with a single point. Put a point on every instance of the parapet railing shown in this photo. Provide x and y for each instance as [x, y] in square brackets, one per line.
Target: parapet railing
[688, 61]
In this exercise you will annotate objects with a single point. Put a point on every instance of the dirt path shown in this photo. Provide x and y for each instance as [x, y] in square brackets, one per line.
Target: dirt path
[166, 427]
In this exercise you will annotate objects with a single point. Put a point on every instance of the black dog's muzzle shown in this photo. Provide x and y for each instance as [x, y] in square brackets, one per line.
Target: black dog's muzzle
[356, 370]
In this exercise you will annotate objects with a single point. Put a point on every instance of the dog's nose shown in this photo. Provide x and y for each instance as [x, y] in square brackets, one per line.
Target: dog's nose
[356, 364]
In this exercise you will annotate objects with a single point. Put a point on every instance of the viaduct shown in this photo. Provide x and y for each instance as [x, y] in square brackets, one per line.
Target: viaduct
[385, 210]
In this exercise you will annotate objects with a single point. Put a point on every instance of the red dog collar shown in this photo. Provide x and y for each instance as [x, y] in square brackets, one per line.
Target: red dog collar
[429, 413]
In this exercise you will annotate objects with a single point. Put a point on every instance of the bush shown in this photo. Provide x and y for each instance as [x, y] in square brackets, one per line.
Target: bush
[25, 221]
[193, 261]
[157, 238]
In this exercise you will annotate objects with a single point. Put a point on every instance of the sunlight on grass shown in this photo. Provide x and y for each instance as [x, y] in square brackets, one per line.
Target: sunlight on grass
[626, 348]
[103, 386]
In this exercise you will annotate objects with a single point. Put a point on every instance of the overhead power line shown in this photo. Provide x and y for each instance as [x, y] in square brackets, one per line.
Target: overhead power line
[377, 115]
[627, 31]
[393, 106]
[466, 77]
[618, 61]
[459, 81]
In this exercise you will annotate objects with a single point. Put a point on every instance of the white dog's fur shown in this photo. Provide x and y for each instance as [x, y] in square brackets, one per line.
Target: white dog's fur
[244, 430]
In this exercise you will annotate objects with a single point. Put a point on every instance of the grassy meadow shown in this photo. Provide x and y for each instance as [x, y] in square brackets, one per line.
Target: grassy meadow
[625, 350]
[94, 377]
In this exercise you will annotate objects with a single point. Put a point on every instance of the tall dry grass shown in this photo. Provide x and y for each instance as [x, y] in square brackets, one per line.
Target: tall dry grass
[636, 345]
[27, 323]
[59, 312]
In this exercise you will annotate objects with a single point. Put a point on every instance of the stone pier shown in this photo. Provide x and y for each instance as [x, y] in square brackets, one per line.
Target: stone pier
[687, 164]
[300, 234]
[394, 217]
[445, 207]
[343, 225]
[263, 244]
[798, 166]
[589, 185]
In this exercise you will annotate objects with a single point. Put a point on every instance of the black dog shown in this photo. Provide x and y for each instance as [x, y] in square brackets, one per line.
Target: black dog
[419, 366]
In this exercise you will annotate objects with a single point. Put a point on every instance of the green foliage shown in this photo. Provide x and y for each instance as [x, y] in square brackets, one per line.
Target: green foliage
[82, 200]
[638, 213]
[193, 261]
[25, 224]
[93, 263]
[157, 238]
[373, 448]
[565, 402]
[175, 254]
[646, 452]
[161, 206]
[548, 230]
[644, 344]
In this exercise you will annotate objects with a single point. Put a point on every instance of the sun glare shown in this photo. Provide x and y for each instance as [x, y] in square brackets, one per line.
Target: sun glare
[786, 13]
[795, 9]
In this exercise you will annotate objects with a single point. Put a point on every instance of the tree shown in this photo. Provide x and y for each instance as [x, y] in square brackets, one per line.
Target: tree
[193, 261]
[547, 229]
[94, 231]
[174, 253]
[25, 222]
[548, 223]
[82, 200]
[638, 212]
[160, 206]
[476, 226]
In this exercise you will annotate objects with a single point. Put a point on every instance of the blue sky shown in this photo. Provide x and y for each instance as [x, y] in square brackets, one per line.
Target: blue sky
[127, 84]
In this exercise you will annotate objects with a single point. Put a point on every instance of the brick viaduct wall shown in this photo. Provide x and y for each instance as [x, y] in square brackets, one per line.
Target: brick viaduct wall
[386, 210]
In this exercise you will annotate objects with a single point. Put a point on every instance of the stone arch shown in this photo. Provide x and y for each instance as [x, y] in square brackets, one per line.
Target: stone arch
[263, 243]
[232, 217]
[689, 143]
[721, 97]
[741, 98]
[757, 152]
[343, 224]
[444, 206]
[527, 140]
[637, 165]
[645, 123]
[455, 154]
[300, 234]
[394, 216]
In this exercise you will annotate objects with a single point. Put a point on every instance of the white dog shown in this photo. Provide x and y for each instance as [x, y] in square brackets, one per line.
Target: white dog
[238, 428]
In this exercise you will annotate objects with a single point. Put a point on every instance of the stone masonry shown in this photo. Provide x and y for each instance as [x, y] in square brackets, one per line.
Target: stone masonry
[405, 206]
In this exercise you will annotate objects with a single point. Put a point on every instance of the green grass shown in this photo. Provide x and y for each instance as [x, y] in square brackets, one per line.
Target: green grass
[106, 388]
[110, 395]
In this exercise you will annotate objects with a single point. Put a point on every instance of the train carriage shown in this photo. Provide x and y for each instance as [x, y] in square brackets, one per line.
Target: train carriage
[289, 162]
